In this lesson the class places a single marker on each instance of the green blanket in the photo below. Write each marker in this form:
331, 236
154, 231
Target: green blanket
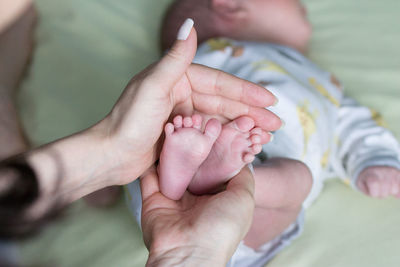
88, 50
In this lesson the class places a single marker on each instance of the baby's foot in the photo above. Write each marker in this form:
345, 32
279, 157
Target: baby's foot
236, 146
380, 181
184, 150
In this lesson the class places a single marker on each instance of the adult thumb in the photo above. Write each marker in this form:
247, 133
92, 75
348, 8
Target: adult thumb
175, 63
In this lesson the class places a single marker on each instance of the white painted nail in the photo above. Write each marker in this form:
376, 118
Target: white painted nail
185, 29
276, 102
271, 137
283, 124
251, 168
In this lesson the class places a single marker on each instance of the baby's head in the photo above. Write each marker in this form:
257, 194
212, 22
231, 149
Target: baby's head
277, 21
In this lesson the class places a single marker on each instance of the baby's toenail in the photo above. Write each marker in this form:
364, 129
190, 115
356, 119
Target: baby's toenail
256, 139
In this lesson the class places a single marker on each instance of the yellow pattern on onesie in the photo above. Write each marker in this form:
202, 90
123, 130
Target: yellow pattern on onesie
337, 141
268, 66
322, 90
377, 117
307, 121
221, 44
347, 182
325, 159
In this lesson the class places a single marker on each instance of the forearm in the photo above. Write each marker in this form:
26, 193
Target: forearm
17, 19
368, 144
35, 184
73, 167
12, 140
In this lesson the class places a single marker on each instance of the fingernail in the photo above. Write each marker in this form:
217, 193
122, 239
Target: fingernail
271, 137
185, 29
283, 124
251, 168
276, 101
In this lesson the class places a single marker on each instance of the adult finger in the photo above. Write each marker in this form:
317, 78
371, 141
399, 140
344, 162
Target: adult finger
215, 82
242, 188
170, 69
231, 109
242, 183
149, 183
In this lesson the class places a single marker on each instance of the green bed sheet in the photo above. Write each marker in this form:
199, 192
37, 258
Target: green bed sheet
88, 50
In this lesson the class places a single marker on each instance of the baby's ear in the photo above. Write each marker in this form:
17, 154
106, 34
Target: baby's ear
229, 9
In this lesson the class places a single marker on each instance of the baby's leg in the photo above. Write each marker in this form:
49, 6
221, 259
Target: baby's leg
184, 150
281, 186
236, 146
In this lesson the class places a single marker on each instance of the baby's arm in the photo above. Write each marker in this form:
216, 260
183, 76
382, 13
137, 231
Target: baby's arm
380, 181
366, 152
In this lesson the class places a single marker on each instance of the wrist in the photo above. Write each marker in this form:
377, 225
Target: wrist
129, 156
187, 256
72, 167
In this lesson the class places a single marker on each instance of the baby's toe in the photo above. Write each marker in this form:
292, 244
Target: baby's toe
178, 121
248, 158
213, 129
169, 129
266, 137
256, 130
255, 139
243, 124
187, 122
256, 148
197, 120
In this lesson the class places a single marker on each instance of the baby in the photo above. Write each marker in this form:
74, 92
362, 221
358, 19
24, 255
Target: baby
326, 134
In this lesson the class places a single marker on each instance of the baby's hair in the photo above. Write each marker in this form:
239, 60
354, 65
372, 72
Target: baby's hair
179, 11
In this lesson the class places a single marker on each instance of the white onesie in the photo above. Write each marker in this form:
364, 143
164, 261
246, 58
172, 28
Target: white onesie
330, 133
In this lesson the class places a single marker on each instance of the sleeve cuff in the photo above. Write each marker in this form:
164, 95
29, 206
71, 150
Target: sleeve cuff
381, 161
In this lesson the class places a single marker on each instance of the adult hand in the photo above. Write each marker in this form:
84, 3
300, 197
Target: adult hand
196, 230
122, 146
175, 85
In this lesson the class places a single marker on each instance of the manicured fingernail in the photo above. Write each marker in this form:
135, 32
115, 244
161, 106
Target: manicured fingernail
283, 124
276, 101
251, 168
271, 137
185, 29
